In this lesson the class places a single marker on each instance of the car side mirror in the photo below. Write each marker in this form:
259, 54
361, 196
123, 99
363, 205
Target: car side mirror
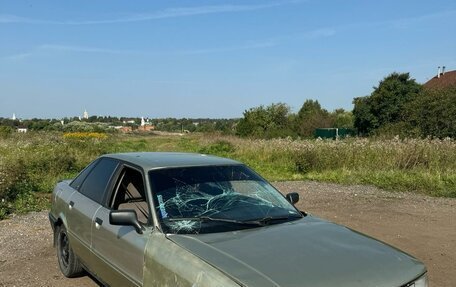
126, 217
292, 197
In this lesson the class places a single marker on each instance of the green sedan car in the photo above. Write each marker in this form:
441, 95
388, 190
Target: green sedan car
179, 219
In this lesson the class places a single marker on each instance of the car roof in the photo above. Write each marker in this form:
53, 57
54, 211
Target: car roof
154, 160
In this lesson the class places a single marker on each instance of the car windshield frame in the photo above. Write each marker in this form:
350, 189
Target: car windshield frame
216, 198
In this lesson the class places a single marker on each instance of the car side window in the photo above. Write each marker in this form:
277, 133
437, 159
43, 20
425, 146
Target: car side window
129, 193
96, 182
77, 182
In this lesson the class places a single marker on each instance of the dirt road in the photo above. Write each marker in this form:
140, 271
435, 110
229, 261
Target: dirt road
422, 226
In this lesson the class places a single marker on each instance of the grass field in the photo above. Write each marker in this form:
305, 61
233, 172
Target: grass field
31, 164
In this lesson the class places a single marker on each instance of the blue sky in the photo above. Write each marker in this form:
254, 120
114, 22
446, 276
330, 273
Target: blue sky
211, 58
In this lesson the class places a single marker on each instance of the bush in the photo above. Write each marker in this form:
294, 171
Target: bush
86, 127
386, 104
14, 184
220, 147
306, 161
85, 135
5, 131
266, 122
33, 163
434, 113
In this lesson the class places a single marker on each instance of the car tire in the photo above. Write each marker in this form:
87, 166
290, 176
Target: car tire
68, 261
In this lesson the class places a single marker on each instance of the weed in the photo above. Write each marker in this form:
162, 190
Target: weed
31, 164
220, 148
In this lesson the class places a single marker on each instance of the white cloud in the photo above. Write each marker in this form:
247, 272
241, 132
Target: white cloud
18, 57
163, 14
249, 46
404, 22
320, 33
178, 12
13, 19
85, 49
81, 49
408, 21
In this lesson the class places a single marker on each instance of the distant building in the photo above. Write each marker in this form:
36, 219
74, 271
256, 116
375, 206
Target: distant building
143, 122
146, 128
22, 130
85, 115
125, 129
13, 117
442, 80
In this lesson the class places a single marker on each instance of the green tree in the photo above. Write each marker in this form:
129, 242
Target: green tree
386, 105
265, 122
312, 116
364, 120
434, 113
342, 119
37, 124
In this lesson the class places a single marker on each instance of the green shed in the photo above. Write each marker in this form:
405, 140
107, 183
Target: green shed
333, 133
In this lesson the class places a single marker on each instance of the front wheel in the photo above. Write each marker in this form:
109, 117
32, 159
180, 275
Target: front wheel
68, 262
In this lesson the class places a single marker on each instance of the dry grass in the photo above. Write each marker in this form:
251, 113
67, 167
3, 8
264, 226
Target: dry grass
31, 163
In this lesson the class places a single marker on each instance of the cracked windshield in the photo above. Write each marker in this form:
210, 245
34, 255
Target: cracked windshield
215, 199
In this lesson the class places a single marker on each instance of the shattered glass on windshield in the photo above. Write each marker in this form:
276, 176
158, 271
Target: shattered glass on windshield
214, 198
184, 226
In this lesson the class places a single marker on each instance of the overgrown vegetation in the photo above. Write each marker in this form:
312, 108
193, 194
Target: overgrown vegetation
266, 122
31, 164
413, 148
387, 104
400, 106
433, 113
108, 124
277, 121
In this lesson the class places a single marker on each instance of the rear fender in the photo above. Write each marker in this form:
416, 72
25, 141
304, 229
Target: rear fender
55, 222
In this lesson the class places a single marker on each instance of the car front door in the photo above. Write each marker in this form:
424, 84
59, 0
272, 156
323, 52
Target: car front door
119, 250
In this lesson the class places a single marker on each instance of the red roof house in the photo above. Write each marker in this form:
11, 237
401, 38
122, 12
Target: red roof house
442, 81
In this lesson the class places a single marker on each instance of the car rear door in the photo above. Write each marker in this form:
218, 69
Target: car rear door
83, 205
119, 250
80, 213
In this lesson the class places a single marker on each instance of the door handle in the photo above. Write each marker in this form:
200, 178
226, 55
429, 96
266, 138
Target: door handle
98, 222
71, 205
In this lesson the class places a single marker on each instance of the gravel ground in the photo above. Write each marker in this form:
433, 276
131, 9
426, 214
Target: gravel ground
422, 226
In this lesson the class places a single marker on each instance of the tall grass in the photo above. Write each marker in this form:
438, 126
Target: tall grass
31, 164
425, 166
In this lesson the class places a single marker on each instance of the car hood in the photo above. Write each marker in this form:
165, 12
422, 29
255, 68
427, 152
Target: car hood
307, 252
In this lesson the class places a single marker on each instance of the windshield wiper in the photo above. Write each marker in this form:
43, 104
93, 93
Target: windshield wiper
269, 219
257, 222
208, 218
